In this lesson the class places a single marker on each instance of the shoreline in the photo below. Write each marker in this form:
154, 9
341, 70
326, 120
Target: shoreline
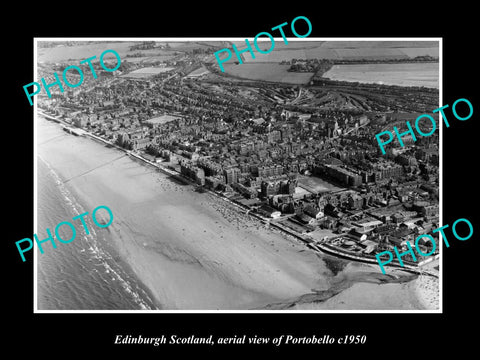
317, 246
190, 255
269, 269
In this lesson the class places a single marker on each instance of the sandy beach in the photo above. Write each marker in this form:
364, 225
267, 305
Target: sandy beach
359, 286
195, 251
427, 289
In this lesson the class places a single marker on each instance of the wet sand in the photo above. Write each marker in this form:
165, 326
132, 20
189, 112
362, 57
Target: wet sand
359, 286
192, 250
427, 291
195, 251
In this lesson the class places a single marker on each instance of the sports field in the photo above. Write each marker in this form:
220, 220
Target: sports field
147, 72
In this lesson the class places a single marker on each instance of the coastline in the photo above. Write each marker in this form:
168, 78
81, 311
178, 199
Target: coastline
361, 287
427, 290
195, 251
192, 250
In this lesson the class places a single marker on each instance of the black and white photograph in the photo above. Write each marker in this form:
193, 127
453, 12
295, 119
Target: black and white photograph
205, 180
237, 179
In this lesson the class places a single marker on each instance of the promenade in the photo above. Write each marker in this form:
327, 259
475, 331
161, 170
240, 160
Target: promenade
304, 239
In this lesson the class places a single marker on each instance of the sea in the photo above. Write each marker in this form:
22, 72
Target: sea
87, 273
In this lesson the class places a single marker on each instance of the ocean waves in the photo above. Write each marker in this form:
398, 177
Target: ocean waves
82, 274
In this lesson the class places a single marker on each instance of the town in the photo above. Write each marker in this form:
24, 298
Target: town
301, 158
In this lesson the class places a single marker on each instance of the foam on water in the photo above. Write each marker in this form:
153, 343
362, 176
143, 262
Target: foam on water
93, 247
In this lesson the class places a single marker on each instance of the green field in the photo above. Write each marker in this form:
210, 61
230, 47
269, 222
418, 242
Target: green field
317, 184
343, 50
82, 51
147, 72
267, 72
408, 74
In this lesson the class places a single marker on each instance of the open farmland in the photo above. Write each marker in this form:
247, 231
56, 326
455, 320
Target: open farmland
186, 46
386, 44
267, 72
62, 53
339, 50
289, 54
407, 74
420, 51
293, 43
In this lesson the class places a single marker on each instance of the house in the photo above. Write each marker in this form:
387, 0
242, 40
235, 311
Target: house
305, 219
357, 234
396, 241
269, 211
140, 143
369, 245
355, 201
332, 211
313, 211
258, 121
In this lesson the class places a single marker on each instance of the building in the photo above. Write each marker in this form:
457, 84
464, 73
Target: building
305, 219
342, 175
426, 209
358, 234
428, 154
216, 182
211, 168
279, 186
193, 172
406, 160
268, 211
313, 211
80, 121
355, 201
138, 144
386, 171
245, 191
269, 171
269, 188
231, 175
370, 224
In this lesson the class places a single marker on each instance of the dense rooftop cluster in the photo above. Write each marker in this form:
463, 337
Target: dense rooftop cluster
259, 144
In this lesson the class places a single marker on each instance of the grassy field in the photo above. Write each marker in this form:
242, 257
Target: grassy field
420, 51
294, 49
80, 52
409, 74
347, 50
162, 119
317, 184
83, 51
267, 72
147, 72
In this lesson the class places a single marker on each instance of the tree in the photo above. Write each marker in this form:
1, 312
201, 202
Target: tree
119, 141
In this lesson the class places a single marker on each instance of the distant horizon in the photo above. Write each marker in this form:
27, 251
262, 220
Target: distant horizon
312, 48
